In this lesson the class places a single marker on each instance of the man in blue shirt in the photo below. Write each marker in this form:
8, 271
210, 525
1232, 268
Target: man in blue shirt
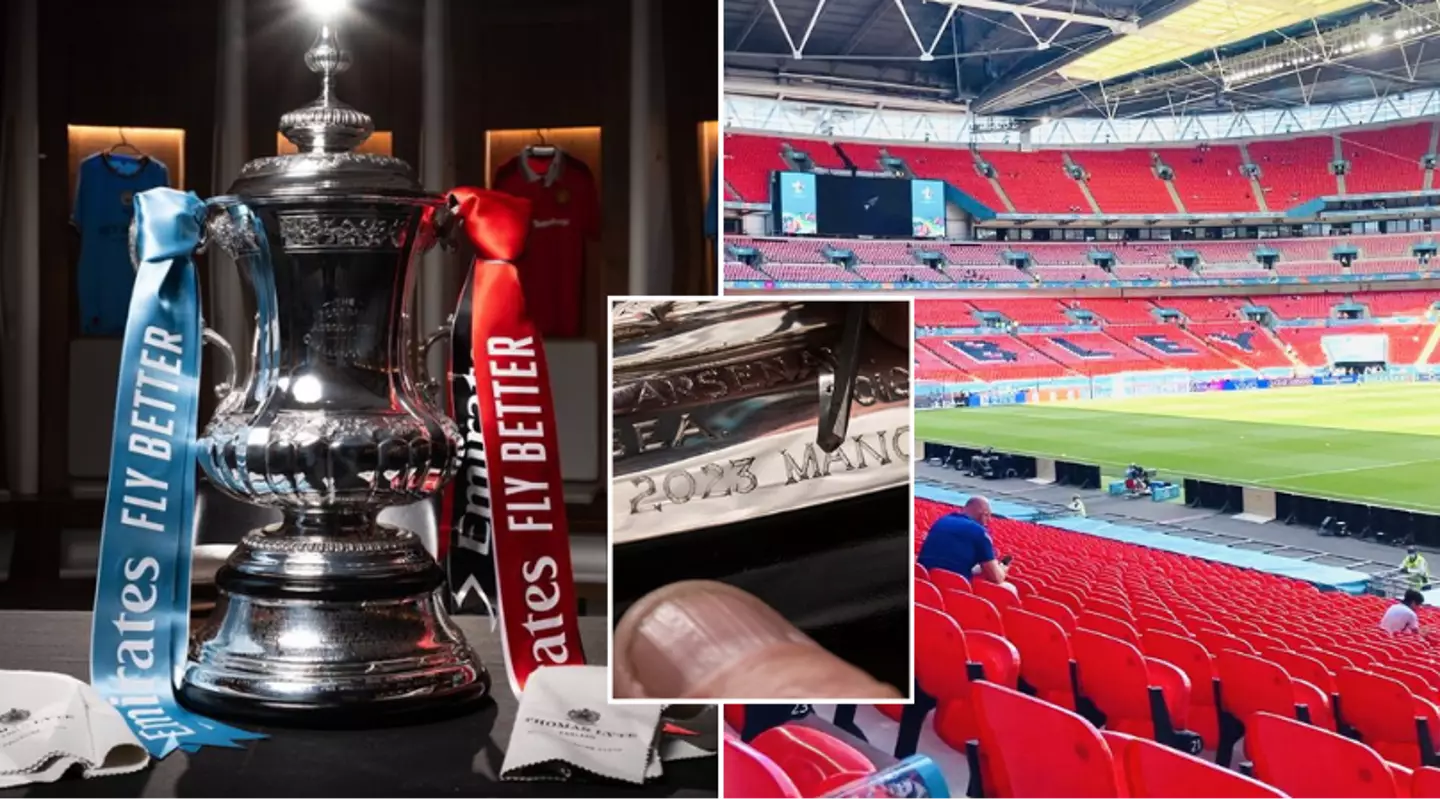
958, 542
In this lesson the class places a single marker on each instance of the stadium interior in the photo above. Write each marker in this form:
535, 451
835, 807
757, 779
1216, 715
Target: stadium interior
1149, 206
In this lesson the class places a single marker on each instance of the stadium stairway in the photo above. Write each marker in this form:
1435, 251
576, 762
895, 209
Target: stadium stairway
1255, 189
1174, 195
1081, 181
1286, 348
1338, 153
1000, 192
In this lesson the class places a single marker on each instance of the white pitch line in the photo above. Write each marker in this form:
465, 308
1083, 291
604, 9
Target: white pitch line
1347, 470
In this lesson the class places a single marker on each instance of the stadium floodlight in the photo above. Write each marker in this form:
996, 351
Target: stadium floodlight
1375, 40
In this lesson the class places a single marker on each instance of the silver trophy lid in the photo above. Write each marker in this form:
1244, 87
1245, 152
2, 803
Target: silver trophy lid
326, 132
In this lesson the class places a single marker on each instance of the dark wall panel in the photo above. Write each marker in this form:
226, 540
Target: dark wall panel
154, 65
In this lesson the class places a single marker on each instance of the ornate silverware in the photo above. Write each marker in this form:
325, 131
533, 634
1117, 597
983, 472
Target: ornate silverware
731, 409
329, 615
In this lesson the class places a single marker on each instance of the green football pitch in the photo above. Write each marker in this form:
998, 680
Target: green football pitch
1376, 444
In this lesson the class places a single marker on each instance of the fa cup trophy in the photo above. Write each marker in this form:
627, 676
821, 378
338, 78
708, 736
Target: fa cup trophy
329, 615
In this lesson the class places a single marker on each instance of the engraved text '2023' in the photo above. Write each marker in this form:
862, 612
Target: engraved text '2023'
737, 476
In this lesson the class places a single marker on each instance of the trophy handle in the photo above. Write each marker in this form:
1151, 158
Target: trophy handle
431, 387
209, 335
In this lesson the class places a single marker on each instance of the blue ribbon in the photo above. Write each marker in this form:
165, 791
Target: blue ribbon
139, 637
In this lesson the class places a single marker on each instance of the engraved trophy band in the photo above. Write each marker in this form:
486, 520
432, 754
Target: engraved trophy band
732, 409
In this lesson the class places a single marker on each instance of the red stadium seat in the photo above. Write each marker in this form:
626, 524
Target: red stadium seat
1106, 625
1303, 666
1139, 696
1425, 783
1029, 748
921, 573
1192, 658
1001, 597
1418, 684
1216, 642
735, 715
748, 774
1399, 726
1046, 663
1022, 585
815, 761
1260, 641
929, 595
1249, 685
1430, 674
1069, 600
1054, 610
1292, 641
1198, 625
1304, 761
1153, 770
1333, 662
1356, 657
973, 612
1145, 623
949, 580
945, 664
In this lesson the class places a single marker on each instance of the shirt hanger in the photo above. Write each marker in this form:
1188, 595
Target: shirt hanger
124, 144
544, 149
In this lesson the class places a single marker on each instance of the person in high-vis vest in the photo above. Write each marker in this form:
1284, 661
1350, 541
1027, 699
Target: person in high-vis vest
1415, 568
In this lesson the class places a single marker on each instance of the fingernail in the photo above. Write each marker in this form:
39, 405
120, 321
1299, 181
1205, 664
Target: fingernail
682, 637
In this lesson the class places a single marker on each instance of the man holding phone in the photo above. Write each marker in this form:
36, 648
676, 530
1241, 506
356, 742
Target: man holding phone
959, 542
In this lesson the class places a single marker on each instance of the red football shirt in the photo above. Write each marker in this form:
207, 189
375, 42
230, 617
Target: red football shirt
565, 214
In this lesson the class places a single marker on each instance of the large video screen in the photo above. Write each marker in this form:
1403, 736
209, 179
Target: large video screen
863, 206
1358, 348
795, 201
927, 209
842, 205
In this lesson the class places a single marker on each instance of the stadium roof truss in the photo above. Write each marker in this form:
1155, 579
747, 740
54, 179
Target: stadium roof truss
1091, 58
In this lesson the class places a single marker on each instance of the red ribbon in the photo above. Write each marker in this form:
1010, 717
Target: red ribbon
534, 580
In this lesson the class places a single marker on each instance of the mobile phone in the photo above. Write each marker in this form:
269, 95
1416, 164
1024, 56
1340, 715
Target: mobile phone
1005, 560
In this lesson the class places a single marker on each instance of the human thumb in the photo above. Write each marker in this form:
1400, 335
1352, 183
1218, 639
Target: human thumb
708, 640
